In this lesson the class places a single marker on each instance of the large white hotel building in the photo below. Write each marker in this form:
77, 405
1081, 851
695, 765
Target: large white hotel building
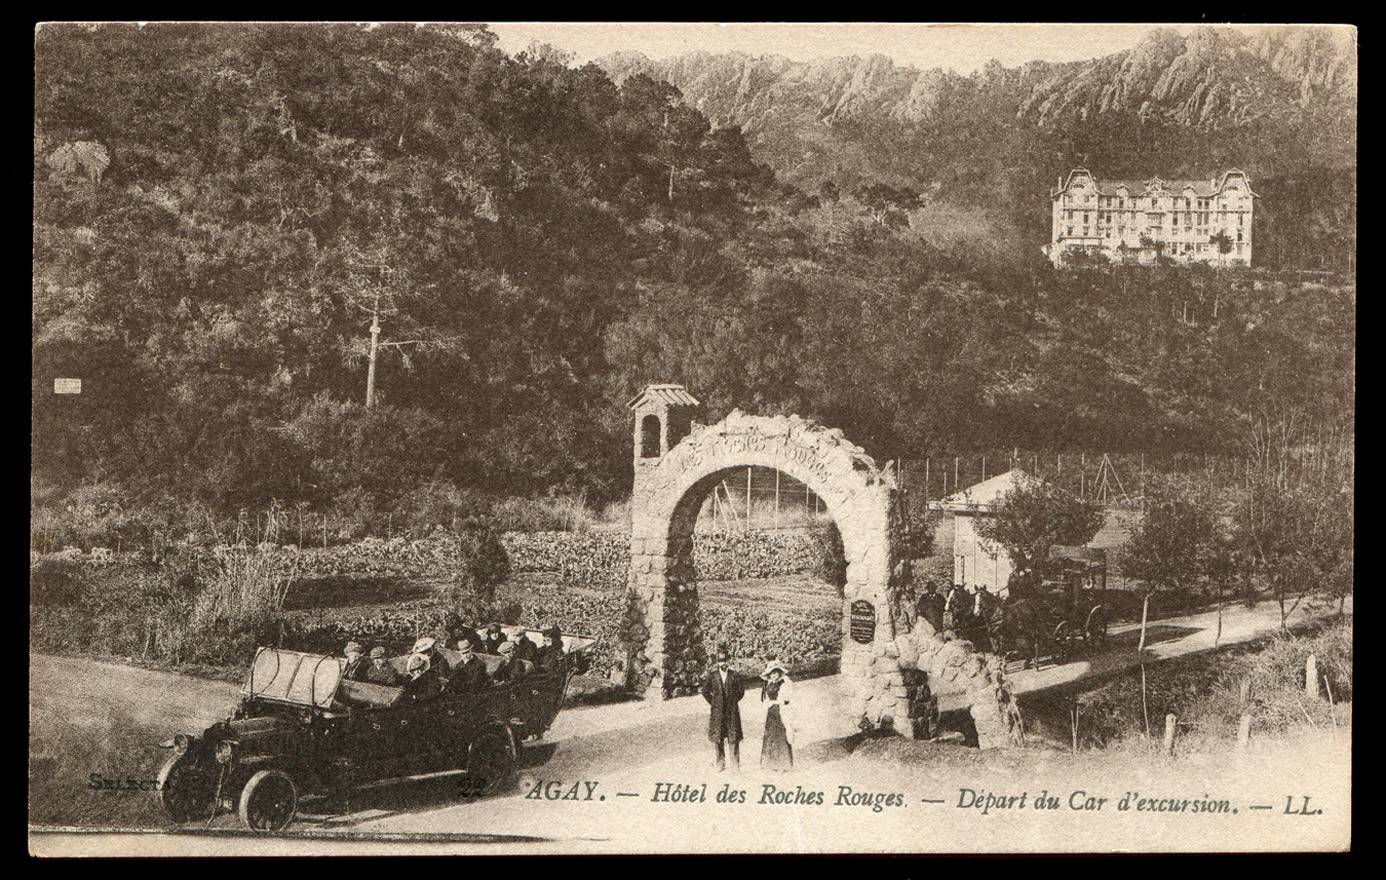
1138, 220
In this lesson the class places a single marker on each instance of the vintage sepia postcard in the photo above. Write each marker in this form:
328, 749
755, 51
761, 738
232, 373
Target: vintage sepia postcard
576, 438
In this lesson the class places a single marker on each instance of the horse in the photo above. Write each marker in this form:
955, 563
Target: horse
1022, 627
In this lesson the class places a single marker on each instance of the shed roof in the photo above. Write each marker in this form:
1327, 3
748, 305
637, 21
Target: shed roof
669, 395
984, 496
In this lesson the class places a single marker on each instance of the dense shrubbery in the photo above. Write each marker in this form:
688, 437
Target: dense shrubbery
540, 242
55, 580
205, 605
1209, 694
602, 559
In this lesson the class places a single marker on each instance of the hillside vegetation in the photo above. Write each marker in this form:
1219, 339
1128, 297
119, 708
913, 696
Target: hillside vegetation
220, 211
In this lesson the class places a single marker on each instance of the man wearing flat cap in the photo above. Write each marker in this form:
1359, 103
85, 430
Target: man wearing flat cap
380, 671
424, 677
354, 666
723, 690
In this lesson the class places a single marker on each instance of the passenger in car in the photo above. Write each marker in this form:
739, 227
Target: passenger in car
422, 681
511, 667
354, 667
440, 665
525, 649
380, 671
551, 651
491, 642
469, 675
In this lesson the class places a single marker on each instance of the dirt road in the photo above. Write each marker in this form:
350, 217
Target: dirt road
94, 710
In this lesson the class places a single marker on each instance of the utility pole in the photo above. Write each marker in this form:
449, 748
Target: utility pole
375, 345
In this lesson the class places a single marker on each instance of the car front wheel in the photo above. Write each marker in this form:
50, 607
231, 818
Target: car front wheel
187, 791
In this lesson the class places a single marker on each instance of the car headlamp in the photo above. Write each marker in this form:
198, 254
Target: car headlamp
226, 752
181, 742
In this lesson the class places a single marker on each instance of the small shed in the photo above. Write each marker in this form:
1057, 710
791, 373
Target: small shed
977, 561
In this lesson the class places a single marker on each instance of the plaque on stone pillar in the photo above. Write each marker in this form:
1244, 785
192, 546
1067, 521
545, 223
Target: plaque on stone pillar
863, 626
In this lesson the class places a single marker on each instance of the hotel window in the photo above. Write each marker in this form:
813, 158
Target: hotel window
1070, 230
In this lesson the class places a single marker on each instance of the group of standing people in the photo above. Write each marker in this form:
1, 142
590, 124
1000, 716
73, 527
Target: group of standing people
724, 687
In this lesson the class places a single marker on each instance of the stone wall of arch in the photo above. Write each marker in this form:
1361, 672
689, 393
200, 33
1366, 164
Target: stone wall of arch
885, 684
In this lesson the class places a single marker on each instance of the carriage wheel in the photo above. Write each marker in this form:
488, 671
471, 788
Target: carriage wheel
268, 801
1063, 642
186, 792
491, 762
1097, 628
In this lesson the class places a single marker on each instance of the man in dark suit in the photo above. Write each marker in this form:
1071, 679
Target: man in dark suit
551, 652
723, 690
354, 667
491, 641
469, 673
525, 649
930, 607
381, 672
511, 666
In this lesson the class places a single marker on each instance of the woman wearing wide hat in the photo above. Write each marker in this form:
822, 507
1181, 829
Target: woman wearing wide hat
776, 748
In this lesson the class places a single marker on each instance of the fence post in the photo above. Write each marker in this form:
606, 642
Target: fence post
1311, 677
1171, 722
748, 498
777, 501
1244, 732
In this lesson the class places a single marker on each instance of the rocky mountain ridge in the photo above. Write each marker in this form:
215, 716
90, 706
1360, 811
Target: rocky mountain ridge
1208, 78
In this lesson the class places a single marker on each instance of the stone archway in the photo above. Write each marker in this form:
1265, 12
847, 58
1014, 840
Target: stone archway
662, 629
893, 664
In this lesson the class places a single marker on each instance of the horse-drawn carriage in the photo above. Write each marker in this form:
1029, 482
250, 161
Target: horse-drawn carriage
1061, 615
301, 727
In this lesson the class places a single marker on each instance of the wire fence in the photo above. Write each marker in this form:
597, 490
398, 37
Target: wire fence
762, 498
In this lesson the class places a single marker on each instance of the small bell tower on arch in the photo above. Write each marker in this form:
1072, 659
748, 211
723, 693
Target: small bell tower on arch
663, 417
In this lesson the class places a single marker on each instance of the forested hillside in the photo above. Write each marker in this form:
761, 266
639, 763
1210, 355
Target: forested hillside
220, 210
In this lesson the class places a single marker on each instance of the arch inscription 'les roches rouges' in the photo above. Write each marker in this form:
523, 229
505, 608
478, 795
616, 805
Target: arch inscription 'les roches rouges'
891, 662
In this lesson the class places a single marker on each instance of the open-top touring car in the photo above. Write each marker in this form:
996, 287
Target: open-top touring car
301, 728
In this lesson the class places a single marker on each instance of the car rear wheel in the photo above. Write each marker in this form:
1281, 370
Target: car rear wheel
187, 791
268, 801
491, 762
1097, 628
1063, 642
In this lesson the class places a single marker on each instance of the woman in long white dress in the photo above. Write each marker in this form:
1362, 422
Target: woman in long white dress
776, 748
